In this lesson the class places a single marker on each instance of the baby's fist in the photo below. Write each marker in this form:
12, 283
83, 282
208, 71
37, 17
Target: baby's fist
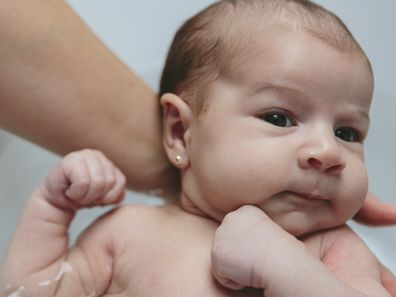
234, 249
249, 249
85, 178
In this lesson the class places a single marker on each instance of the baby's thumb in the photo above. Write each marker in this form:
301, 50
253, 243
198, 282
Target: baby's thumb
226, 281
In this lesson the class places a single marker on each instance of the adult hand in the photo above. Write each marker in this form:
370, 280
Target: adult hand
376, 213
388, 280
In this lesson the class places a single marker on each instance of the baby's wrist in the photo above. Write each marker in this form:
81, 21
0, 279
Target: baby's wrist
41, 205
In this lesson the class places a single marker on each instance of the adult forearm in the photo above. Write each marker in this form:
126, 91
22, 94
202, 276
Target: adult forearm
61, 88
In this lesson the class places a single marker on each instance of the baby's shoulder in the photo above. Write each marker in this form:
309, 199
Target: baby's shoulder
132, 213
147, 215
146, 222
122, 220
129, 218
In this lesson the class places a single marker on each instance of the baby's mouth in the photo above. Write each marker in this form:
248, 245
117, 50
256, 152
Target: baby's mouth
309, 197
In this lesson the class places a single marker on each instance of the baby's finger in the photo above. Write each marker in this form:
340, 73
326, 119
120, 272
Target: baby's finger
97, 178
110, 171
117, 192
228, 283
77, 173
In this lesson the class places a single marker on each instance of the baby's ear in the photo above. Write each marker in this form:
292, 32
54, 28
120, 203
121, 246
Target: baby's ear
177, 119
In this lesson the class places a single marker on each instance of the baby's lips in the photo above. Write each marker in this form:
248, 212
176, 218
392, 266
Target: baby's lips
313, 196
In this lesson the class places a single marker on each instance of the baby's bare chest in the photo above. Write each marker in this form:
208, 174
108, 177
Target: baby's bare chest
173, 261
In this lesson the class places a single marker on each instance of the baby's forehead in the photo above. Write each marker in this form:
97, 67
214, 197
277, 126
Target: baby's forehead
252, 26
297, 59
277, 44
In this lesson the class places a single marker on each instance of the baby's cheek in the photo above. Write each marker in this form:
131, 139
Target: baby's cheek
356, 188
361, 183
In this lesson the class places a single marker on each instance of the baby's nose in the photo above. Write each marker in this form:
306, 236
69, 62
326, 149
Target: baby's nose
324, 153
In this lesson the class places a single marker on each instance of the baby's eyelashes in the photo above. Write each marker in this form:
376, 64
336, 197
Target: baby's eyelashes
279, 117
348, 134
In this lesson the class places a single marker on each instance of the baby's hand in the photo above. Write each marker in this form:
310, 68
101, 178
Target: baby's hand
83, 179
249, 249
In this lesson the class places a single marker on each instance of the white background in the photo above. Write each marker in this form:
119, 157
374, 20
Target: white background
140, 32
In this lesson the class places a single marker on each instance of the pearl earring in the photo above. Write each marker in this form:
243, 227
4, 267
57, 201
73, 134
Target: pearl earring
178, 159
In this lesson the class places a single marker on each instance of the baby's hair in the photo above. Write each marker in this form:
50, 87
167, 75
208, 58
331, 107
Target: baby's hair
206, 45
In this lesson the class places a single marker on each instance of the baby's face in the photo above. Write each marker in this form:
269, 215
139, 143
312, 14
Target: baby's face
285, 132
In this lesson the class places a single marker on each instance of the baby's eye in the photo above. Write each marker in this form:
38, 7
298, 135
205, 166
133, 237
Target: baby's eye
348, 134
278, 118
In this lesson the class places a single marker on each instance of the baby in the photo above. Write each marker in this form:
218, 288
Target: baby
265, 104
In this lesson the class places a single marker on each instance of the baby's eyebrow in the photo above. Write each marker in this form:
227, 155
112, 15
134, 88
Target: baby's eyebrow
279, 87
285, 87
355, 114
365, 116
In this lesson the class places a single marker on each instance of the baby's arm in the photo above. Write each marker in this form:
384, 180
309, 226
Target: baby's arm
38, 256
251, 250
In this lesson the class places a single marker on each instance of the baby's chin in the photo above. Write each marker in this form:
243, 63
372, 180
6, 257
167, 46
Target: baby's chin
299, 225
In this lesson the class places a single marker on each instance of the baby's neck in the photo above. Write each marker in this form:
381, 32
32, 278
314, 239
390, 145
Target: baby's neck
189, 206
